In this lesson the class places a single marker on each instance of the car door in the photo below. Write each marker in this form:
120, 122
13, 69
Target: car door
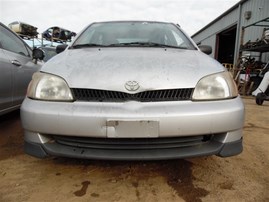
20, 63
5, 82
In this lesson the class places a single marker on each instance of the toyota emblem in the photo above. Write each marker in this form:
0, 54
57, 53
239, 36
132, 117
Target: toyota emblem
132, 85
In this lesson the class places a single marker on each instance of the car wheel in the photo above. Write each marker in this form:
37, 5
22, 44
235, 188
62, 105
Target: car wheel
260, 98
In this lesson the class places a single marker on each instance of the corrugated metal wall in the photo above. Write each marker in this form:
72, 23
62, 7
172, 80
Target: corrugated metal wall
224, 23
209, 35
259, 10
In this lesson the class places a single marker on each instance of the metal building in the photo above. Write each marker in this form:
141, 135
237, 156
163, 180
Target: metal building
245, 23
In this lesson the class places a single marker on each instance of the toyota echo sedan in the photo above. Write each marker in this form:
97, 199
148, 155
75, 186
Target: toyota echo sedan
132, 90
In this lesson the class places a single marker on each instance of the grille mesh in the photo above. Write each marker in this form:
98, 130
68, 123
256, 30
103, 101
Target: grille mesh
132, 143
146, 96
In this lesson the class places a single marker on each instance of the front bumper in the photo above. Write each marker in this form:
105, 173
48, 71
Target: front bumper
211, 148
221, 120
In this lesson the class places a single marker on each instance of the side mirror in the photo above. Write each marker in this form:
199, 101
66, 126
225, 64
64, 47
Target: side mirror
61, 48
205, 49
38, 54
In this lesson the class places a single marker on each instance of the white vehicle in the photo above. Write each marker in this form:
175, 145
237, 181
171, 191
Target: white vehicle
132, 90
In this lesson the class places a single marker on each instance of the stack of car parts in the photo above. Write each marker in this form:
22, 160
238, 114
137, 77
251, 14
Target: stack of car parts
23, 29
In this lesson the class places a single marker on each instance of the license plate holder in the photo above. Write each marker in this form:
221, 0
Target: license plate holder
132, 129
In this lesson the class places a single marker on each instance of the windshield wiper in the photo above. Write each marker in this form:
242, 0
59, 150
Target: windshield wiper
87, 45
147, 44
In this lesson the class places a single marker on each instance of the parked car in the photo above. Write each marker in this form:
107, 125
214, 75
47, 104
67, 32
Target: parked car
17, 64
58, 34
23, 29
132, 90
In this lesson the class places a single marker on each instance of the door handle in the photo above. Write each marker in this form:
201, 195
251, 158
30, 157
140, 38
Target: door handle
16, 62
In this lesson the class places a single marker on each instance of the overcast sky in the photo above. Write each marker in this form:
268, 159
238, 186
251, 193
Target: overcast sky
74, 15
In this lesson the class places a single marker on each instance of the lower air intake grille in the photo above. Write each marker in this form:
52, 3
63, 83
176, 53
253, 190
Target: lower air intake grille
132, 144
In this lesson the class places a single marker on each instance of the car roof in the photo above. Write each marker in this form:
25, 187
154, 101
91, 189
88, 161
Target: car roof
138, 21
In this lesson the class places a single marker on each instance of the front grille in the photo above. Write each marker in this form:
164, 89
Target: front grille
131, 143
146, 96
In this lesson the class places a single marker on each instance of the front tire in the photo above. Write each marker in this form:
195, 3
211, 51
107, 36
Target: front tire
260, 98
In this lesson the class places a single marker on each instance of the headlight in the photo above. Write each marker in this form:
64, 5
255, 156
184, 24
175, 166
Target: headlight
215, 87
48, 87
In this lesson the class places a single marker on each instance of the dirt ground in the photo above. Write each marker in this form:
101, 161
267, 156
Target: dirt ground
241, 178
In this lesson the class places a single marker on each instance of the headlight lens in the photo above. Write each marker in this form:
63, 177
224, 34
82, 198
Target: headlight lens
49, 87
215, 87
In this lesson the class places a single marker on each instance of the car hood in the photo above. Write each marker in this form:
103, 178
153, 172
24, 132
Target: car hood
111, 68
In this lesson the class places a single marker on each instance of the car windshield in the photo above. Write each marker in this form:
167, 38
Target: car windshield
149, 34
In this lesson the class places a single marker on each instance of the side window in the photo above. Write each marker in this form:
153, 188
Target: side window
12, 43
29, 51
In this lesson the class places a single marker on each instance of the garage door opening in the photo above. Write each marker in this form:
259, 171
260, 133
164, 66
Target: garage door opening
225, 45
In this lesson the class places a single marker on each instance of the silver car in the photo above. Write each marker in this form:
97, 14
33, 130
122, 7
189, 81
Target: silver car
132, 90
17, 64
